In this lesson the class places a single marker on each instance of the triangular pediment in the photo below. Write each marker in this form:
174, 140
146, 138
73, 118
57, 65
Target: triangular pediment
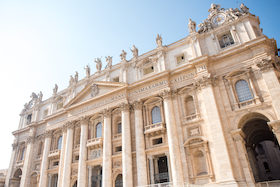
95, 89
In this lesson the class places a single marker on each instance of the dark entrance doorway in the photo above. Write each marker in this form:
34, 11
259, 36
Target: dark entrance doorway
263, 150
162, 174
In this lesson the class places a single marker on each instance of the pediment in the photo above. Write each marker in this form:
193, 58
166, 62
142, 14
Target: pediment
95, 89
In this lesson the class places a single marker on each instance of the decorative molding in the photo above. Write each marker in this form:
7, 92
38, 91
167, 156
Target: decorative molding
137, 105
265, 64
125, 107
275, 126
107, 113
30, 139
205, 81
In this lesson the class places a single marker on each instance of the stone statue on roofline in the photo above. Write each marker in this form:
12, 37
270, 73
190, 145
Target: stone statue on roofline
134, 51
244, 9
159, 40
98, 64
76, 77
87, 68
71, 81
109, 62
123, 56
55, 89
40, 96
192, 26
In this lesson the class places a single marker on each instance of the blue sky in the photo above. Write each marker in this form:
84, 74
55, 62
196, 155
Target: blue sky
44, 42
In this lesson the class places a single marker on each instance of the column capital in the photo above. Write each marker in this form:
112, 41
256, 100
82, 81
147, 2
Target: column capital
166, 94
48, 134
68, 125
84, 120
137, 105
274, 125
30, 139
107, 113
204, 81
237, 135
264, 64
15, 145
125, 107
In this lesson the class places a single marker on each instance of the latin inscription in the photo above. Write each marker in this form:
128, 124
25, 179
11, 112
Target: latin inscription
149, 87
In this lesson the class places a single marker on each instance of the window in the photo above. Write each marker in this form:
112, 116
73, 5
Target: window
156, 116
116, 79
180, 59
59, 142
157, 141
118, 181
98, 132
46, 112
226, 40
148, 70
119, 128
118, 149
189, 106
200, 163
22, 153
28, 119
55, 163
59, 105
243, 91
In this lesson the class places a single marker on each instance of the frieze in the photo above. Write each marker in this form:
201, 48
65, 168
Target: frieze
98, 104
57, 120
151, 87
185, 78
94, 154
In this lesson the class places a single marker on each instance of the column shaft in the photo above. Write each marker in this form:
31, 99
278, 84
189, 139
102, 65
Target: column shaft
107, 152
68, 158
26, 165
12, 161
61, 159
45, 162
126, 149
173, 142
82, 168
142, 176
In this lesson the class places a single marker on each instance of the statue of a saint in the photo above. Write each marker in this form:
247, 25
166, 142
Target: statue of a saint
40, 95
244, 9
192, 26
71, 81
134, 51
55, 89
159, 40
123, 56
98, 64
214, 8
87, 68
76, 77
109, 62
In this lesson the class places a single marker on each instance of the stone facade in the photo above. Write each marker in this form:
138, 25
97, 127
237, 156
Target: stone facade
204, 110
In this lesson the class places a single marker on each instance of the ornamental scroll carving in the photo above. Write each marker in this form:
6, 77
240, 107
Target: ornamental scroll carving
265, 64
205, 81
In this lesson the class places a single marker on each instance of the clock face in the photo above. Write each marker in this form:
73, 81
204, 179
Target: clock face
218, 19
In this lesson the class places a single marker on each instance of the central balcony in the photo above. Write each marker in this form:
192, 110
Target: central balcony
54, 153
95, 143
156, 128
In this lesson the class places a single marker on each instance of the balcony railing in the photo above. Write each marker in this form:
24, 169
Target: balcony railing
192, 117
275, 183
95, 142
153, 128
54, 153
117, 136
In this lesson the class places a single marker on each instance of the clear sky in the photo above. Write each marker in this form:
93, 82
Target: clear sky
44, 42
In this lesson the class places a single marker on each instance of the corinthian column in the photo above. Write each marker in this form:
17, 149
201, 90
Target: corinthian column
45, 160
126, 148
68, 156
27, 159
107, 151
82, 168
214, 131
271, 81
173, 142
62, 156
142, 175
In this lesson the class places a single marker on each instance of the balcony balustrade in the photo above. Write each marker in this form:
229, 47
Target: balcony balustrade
156, 128
95, 142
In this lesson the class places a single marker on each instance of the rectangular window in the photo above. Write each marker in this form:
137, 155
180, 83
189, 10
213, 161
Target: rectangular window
119, 128
148, 70
116, 79
226, 40
55, 163
28, 119
59, 105
157, 141
46, 112
118, 149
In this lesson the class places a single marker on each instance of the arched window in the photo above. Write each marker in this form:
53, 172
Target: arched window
59, 142
243, 91
200, 163
189, 105
118, 181
156, 116
98, 132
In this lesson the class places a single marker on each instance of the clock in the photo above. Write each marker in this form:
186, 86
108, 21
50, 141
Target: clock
218, 19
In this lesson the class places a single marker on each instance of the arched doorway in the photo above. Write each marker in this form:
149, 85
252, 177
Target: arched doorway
118, 181
75, 184
15, 181
33, 180
263, 150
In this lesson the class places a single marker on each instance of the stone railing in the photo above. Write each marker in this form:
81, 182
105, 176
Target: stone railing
269, 183
117, 136
192, 117
95, 142
166, 184
153, 128
54, 153
246, 103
